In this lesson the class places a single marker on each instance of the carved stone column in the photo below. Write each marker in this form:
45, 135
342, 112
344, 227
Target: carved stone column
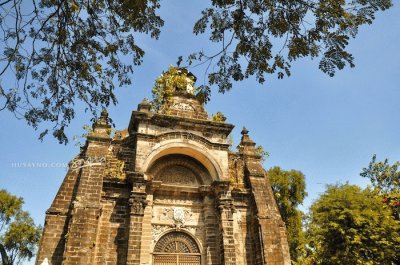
137, 204
145, 256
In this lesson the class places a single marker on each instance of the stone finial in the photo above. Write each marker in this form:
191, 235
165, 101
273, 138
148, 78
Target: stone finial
103, 119
246, 145
144, 106
101, 127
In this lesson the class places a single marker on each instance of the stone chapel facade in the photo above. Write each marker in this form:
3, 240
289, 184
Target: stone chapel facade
165, 191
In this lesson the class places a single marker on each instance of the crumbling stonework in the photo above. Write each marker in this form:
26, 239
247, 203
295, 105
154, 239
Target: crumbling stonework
165, 191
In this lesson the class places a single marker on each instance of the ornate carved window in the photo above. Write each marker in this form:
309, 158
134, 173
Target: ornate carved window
176, 248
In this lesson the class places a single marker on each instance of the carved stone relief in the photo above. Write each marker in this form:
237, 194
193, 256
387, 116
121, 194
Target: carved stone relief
178, 175
173, 201
138, 203
177, 216
183, 106
176, 219
157, 230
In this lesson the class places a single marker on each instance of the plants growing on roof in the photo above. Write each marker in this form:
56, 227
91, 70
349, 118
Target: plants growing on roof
176, 80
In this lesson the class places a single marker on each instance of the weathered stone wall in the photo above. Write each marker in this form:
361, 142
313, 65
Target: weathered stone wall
57, 220
169, 175
112, 239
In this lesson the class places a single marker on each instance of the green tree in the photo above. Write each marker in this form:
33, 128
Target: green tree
289, 190
349, 225
19, 235
385, 178
66, 51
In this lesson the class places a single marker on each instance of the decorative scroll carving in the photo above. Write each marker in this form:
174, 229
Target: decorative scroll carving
158, 230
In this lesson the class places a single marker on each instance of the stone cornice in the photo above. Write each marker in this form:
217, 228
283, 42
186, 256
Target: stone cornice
176, 122
185, 136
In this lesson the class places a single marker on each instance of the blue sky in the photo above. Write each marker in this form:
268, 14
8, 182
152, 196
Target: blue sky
328, 128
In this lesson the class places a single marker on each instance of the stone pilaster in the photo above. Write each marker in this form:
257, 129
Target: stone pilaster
145, 257
137, 204
212, 254
225, 208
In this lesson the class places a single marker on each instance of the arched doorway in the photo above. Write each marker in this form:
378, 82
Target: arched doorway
176, 248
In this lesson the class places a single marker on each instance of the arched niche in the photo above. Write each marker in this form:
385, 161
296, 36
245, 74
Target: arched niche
187, 149
179, 169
